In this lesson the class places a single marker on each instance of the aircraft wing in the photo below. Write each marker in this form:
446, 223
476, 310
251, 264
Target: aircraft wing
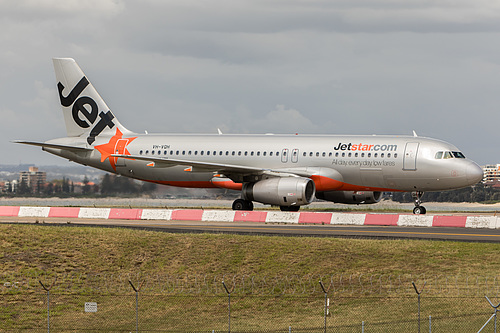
226, 169
52, 145
159, 162
328, 178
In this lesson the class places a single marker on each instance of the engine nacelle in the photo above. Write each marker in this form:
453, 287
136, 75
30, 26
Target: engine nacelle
290, 191
350, 197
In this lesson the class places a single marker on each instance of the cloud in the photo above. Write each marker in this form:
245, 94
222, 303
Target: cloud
256, 66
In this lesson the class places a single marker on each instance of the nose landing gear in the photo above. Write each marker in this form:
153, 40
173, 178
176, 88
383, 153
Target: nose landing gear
418, 209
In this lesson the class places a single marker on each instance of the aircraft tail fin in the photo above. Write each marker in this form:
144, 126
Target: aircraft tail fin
85, 112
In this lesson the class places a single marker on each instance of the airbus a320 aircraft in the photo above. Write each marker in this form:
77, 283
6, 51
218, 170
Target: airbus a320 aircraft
282, 170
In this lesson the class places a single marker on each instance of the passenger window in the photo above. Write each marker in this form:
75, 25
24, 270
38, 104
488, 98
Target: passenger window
152, 152
264, 153
439, 155
246, 153
258, 153
202, 152
349, 155
343, 154
330, 154
270, 153
140, 152
304, 154
239, 153
251, 153
382, 155
355, 154
369, 154
324, 154
317, 154
395, 155
336, 154
233, 153
176, 153
388, 154
375, 155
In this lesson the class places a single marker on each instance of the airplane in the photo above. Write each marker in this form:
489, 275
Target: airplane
288, 171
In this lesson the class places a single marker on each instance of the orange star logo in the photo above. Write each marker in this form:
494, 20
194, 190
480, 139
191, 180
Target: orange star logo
116, 145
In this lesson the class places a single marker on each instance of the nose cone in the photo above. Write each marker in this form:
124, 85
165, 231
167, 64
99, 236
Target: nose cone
474, 173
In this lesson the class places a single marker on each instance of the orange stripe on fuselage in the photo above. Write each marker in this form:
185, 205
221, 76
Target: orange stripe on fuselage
323, 184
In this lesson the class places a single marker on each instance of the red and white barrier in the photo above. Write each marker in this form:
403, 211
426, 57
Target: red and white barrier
475, 221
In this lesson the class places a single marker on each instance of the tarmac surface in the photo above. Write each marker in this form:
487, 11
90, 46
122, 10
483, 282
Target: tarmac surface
353, 231
277, 229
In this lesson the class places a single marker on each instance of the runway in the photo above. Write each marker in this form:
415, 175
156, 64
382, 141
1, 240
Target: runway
277, 229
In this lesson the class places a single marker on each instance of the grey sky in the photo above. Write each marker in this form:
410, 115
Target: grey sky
259, 66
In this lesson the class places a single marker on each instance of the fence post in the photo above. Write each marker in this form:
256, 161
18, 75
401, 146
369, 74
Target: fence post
136, 304
48, 301
494, 315
326, 301
418, 295
228, 305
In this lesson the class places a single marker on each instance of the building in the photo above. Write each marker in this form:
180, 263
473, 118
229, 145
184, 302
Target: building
491, 174
35, 180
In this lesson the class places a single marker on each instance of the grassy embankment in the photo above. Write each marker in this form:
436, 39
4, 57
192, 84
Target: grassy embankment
55, 251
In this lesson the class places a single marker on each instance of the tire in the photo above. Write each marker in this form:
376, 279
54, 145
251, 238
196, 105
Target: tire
240, 204
289, 208
419, 210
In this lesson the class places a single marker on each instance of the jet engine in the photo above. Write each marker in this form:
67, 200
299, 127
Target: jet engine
350, 197
280, 191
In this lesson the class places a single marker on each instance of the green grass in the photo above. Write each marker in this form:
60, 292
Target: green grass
369, 270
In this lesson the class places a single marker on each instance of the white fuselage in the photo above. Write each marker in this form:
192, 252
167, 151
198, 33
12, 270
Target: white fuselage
377, 163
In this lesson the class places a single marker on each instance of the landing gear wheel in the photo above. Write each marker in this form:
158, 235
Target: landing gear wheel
418, 210
240, 204
289, 208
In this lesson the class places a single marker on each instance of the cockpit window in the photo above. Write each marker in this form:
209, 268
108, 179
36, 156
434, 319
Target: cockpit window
448, 154
458, 154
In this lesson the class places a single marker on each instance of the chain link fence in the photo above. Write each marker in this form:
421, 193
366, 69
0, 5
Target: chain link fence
207, 303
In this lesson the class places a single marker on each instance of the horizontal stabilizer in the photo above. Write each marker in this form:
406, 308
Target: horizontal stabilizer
52, 145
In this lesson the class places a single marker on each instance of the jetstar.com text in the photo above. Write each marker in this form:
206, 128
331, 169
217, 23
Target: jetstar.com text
365, 147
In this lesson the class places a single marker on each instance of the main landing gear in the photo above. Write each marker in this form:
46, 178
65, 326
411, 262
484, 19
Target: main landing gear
241, 204
418, 209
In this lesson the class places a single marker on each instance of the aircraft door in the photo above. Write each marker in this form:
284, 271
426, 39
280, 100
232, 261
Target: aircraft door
410, 156
295, 156
284, 155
